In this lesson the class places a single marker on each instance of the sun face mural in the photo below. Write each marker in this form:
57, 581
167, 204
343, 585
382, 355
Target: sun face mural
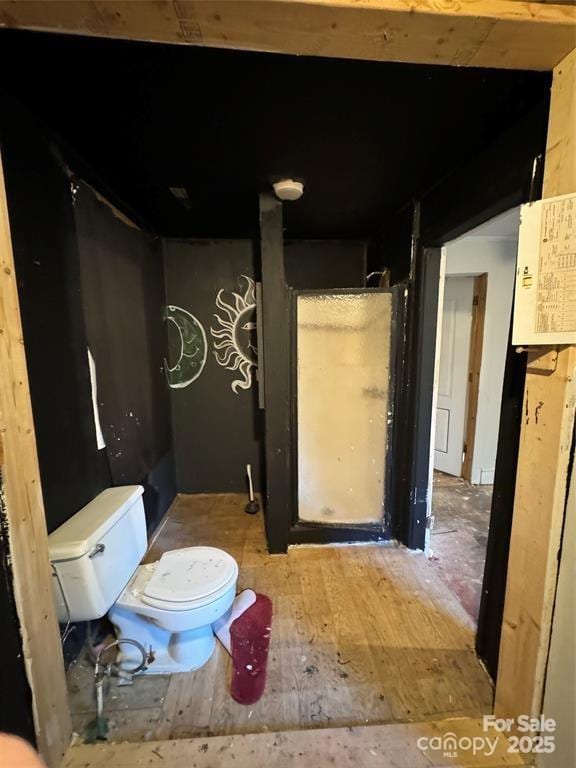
236, 348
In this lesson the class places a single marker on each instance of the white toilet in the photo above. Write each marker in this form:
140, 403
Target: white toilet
168, 606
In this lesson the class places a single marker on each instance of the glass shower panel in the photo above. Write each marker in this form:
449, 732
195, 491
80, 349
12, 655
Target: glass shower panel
343, 369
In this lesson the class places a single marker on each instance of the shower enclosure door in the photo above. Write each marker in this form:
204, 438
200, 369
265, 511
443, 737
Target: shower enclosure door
344, 352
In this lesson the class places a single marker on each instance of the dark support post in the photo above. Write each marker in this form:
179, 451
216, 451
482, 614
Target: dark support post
275, 317
414, 433
498, 546
427, 284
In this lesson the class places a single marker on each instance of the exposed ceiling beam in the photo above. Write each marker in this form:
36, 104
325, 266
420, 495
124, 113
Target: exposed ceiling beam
483, 33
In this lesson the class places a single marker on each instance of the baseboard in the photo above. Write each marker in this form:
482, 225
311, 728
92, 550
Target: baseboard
487, 476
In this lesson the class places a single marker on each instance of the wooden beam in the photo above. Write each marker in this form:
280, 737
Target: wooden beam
560, 165
481, 33
544, 460
25, 520
371, 746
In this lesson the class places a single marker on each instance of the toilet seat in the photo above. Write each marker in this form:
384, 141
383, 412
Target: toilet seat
189, 578
200, 583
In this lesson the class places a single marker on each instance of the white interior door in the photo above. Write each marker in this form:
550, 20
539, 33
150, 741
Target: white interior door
453, 374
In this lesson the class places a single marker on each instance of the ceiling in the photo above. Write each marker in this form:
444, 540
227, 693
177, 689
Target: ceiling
365, 137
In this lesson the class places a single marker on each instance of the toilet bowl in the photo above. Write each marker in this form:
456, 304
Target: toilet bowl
169, 607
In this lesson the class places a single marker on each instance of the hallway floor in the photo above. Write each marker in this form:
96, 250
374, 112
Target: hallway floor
360, 634
459, 537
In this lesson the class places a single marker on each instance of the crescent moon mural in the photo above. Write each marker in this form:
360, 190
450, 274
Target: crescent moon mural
191, 351
237, 346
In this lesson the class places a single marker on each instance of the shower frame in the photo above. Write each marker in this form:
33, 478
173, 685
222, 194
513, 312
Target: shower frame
306, 532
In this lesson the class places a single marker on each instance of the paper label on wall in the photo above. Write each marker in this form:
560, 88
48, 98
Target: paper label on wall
100, 442
545, 295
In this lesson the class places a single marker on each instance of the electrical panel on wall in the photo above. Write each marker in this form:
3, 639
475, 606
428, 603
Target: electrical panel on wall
545, 293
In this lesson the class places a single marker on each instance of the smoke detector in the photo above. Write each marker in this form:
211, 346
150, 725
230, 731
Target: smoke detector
288, 189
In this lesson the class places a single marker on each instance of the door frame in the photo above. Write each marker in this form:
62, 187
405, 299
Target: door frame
475, 346
520, 688
437, 368
490, 616
414, 442
474, 366
529, 571
324, 533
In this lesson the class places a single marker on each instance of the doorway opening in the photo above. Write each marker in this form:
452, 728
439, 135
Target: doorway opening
474, 314
361, 634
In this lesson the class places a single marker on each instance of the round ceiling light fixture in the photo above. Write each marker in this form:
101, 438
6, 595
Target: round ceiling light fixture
288, 189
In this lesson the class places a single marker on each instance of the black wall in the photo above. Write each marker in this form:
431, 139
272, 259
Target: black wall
216, 431
123, 300
311, 264
86, 279
44, 241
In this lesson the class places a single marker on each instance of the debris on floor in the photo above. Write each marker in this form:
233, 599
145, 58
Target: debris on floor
459, 537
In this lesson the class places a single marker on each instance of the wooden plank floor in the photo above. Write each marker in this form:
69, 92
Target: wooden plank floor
361, 634
460, 536
376, 746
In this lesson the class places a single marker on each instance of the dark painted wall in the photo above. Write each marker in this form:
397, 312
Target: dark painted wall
50, 235
218, 431
44, 240
86, 278
311, 264
123, 300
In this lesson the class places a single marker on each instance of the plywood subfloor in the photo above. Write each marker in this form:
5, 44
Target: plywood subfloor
460, 535
361, 634
400, 745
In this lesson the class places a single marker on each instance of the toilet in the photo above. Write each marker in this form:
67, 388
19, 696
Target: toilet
168, 606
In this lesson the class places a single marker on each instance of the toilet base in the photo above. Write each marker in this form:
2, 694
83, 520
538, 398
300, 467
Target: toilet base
173, 651
165, 664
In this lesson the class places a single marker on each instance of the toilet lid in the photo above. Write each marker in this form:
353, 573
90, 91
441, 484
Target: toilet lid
192, 573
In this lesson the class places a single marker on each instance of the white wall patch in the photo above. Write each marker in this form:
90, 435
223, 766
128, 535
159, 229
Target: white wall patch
100, 442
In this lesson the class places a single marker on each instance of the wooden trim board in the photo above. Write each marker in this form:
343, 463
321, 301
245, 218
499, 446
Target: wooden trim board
480, 33
474, 365
495, 33
560, 162
544, 459
373, 746
26, 521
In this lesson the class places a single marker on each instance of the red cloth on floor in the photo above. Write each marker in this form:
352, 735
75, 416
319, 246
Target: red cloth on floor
250, 635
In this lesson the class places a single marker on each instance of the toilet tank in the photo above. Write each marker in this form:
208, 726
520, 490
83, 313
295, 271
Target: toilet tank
95, 553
